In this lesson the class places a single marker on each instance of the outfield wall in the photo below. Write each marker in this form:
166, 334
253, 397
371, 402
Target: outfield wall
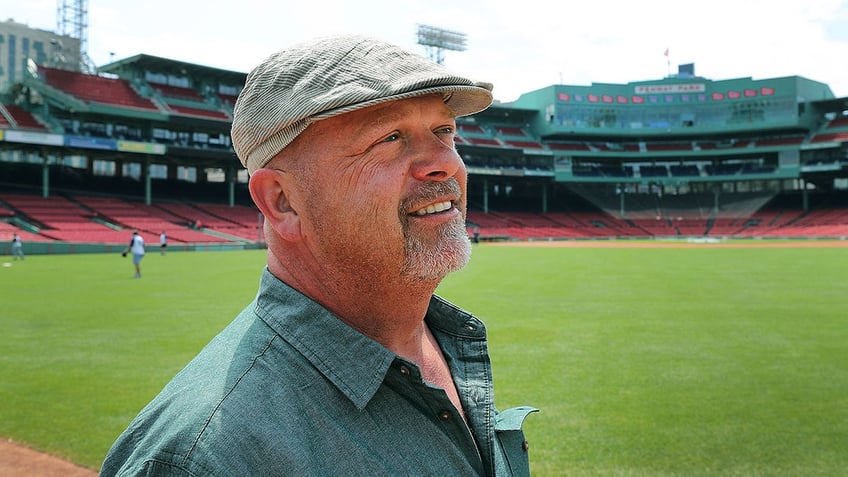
67, 248
64, 248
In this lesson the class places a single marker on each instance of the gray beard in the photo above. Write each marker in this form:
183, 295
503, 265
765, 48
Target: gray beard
453, 249
434, 262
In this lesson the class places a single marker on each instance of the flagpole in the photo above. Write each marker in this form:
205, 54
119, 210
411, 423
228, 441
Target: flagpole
667, 64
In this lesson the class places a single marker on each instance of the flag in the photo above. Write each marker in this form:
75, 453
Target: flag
666, 52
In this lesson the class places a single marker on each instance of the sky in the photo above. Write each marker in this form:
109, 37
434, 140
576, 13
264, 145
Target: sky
519, 46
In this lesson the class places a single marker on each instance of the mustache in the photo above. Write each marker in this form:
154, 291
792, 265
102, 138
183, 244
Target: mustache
433, 190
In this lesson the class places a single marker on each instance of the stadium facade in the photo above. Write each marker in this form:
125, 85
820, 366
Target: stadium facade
682, 135
681, 155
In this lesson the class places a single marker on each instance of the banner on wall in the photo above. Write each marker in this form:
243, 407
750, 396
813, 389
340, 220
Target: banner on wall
103, 144
29, 137
141, 147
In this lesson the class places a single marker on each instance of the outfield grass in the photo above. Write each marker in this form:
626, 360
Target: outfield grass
713, 361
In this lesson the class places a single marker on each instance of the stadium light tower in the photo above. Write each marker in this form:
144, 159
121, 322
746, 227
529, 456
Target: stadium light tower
72, 20
437, 40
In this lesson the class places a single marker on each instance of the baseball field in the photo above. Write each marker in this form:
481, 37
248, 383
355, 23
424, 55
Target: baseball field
645, 358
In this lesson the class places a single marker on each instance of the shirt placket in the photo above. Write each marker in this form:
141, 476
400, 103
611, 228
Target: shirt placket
436, 404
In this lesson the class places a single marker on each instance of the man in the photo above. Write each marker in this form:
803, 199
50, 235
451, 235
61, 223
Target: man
163, 242
17, 247
345, 363
136, 247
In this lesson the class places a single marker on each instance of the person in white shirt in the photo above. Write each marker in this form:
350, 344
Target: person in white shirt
17, 247
136, 247
163, 242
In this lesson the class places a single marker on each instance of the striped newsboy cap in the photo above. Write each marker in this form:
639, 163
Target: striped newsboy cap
329, 76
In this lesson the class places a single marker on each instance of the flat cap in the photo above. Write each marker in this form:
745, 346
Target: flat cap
329, 76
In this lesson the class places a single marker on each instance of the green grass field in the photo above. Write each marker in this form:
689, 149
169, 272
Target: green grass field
666, 361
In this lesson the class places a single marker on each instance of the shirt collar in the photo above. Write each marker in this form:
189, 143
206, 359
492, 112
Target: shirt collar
353, 362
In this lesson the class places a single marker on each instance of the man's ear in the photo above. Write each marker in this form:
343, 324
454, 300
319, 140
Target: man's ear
271, 191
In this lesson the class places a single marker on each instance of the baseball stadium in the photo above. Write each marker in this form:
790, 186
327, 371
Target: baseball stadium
661, 263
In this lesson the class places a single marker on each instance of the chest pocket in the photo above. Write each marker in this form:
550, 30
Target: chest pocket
512, 442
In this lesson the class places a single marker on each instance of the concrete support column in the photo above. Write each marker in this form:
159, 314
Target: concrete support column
148, 185
805, 199
200, 175
230, 176
621, 210
715, 200
486, 196
45, 176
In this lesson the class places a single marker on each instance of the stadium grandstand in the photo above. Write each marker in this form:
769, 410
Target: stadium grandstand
143, 144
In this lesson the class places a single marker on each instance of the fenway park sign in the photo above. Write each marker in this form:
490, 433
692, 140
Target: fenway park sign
671, 88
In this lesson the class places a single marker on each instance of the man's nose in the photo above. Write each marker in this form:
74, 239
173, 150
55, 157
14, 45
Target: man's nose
437, 161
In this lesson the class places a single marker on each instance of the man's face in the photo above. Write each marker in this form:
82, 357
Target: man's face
385, 191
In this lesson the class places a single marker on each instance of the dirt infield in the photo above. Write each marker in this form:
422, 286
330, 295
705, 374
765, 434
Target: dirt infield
19, 461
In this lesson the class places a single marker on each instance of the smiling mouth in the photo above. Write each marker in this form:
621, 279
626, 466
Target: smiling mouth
434, 208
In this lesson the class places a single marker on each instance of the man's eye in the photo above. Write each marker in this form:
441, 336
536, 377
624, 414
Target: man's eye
392, 137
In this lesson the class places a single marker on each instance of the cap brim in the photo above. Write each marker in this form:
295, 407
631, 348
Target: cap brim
462, 99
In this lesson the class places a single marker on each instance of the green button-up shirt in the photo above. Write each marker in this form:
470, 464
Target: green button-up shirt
289, 389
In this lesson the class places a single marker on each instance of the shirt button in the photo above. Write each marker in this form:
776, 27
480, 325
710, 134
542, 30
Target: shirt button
404, 370
525, 446
445, 415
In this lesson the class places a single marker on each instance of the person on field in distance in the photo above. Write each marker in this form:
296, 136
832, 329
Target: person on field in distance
346, 363
136, 248
17, 247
